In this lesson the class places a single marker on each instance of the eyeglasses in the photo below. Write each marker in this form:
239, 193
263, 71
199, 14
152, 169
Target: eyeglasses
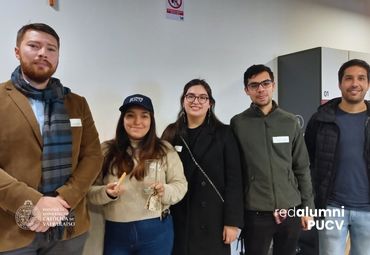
201, 98
255, 85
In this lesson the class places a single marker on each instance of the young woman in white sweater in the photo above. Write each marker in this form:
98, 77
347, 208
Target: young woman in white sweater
137, 219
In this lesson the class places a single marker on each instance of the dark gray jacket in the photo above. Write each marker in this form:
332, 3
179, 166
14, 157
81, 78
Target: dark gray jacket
322, 134
275, 160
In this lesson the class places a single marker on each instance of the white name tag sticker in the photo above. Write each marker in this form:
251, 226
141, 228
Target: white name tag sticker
280, 139
178, 148
75, 122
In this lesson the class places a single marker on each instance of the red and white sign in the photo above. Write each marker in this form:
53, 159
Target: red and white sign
175, 9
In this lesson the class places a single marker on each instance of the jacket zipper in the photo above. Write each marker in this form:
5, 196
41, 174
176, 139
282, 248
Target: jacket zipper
268, 144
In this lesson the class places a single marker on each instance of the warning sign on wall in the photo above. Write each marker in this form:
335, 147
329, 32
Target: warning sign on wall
175, 9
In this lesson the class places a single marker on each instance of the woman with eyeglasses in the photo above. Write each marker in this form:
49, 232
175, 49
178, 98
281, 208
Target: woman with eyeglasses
208, 219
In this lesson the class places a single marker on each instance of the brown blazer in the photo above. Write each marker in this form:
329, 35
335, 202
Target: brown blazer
20, 163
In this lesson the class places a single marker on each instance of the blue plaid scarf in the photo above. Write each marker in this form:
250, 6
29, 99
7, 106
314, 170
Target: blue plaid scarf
57, 137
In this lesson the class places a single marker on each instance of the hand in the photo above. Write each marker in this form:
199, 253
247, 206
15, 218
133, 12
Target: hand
229, 234
304, 222
113, 189
159, 188
63, 202
35, 225
48, 212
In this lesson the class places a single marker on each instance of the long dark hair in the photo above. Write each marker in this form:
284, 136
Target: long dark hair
120, 154
179, 127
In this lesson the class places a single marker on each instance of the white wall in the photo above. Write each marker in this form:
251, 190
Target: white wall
113, 48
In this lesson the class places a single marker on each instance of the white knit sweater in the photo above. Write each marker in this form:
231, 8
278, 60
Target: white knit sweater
131, 204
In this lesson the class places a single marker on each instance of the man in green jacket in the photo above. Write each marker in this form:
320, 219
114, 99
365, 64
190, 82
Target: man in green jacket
275, 166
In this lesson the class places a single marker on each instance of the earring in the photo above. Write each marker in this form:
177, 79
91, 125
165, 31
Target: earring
183, 114
209, 115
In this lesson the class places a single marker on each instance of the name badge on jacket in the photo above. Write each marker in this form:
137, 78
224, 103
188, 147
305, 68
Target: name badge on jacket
178, 148
75, 122
280, 139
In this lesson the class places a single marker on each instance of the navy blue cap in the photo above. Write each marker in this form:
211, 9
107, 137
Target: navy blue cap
138, 100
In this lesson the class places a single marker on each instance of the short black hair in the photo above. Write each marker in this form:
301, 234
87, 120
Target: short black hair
353, 62
256, 69
37, 27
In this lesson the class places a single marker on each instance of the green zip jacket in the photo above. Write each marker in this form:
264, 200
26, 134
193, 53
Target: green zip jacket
275, 160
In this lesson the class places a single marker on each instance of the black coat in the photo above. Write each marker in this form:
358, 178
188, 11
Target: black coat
200, 217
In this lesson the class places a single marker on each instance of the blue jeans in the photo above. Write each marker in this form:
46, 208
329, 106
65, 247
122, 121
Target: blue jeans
144, 237
356, 223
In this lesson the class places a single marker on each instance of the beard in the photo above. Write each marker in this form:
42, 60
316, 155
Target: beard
350, 99
353, 101
263, 103
36, 74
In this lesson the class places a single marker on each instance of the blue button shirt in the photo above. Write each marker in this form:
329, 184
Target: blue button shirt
38, 109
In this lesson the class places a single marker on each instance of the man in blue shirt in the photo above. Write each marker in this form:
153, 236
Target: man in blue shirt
337, 138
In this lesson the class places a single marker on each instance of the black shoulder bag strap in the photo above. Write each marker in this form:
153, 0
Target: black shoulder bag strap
201, 169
